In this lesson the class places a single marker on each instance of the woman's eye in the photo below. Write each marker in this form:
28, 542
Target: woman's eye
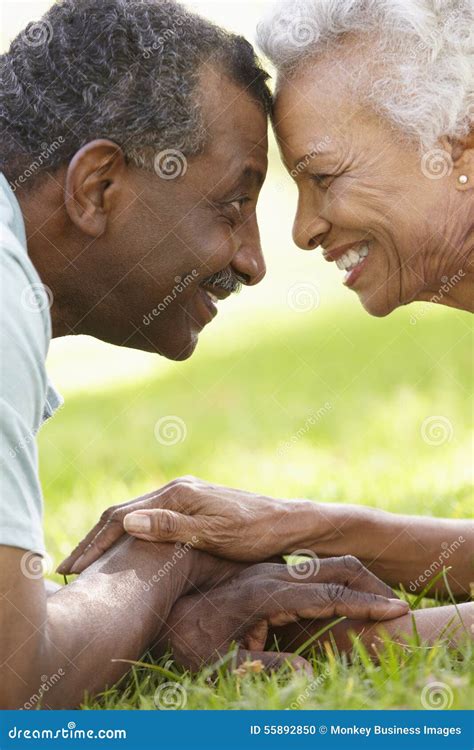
322, 180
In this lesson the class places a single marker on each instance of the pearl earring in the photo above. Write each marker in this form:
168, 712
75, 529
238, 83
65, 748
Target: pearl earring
463, 178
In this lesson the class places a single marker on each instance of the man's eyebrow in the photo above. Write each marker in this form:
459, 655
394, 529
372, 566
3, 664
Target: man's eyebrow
251, 176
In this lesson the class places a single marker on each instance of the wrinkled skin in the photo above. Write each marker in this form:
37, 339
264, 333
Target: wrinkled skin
202, 627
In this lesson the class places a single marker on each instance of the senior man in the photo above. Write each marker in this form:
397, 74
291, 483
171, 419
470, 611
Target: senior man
133, 151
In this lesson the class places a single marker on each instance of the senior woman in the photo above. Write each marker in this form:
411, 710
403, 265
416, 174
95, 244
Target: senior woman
373, 114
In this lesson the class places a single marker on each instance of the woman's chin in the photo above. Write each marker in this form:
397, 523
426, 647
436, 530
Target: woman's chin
377, 304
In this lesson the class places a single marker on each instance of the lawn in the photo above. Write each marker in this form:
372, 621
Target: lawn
328, 404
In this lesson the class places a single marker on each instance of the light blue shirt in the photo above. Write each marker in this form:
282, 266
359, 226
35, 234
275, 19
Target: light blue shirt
26, 396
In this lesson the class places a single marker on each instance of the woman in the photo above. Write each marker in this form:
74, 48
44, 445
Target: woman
373, 114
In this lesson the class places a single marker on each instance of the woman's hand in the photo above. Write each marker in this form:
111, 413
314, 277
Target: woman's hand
230, 523
201, 628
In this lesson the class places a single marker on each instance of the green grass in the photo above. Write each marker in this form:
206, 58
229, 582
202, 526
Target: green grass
247, 398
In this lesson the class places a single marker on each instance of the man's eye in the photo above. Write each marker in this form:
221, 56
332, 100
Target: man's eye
238, 204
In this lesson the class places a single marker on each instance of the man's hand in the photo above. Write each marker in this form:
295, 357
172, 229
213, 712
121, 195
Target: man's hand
230, 523
201, 628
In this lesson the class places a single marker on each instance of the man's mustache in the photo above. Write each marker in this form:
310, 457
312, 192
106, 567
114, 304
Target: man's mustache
226, 279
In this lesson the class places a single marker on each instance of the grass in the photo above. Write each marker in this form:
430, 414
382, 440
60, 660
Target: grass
329, 404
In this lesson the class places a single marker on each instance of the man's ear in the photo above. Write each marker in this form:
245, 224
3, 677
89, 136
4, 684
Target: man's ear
94, 179
463, 162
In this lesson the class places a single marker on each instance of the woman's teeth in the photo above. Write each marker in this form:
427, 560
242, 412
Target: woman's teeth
352, 258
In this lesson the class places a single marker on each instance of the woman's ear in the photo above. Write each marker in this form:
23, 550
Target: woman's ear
463, 162
94, 180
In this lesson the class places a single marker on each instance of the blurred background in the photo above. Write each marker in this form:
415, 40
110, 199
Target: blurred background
293, 391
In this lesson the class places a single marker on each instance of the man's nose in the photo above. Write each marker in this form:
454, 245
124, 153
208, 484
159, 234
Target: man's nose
248, 262
309, 226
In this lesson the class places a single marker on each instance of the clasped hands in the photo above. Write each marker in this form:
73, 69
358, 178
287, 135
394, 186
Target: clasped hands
243, 598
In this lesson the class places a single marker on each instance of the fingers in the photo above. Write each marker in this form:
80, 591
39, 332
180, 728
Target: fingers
100, 543
164, 526
284, 604
110, 518
347, 571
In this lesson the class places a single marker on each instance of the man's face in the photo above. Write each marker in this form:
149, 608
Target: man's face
177, 240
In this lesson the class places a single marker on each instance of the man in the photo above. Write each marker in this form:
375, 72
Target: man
133, 151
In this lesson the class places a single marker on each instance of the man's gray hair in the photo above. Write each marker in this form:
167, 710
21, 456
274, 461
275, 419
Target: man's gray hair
423, 80
126, 70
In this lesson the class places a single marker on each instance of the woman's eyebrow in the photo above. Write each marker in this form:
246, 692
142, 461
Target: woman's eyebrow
302, 161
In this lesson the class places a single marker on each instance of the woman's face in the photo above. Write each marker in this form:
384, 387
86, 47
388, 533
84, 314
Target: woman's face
364, 195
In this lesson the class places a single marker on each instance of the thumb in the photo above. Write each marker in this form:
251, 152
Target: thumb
162, 526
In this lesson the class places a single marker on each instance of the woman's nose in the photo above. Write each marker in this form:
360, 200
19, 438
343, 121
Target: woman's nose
309, 227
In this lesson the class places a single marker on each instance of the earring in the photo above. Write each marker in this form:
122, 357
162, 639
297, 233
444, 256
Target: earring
463, 178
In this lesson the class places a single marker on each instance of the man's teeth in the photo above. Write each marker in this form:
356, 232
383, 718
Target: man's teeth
352, 258
213, 297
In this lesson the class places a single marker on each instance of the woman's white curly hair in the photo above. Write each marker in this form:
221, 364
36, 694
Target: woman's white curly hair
424, 49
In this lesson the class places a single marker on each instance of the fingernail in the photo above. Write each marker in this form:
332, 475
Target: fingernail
75, 569
399, 603
136, 523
